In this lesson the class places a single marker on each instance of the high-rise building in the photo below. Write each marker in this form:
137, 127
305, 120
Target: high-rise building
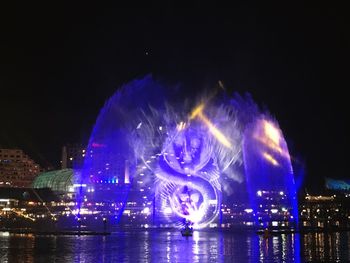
16, 168
72, 156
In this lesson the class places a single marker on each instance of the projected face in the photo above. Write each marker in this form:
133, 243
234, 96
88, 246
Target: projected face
187, 203
187, 149
188, 152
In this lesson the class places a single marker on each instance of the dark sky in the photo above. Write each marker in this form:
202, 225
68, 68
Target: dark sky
59, 63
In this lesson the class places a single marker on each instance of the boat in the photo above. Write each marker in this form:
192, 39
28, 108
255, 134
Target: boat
187, 231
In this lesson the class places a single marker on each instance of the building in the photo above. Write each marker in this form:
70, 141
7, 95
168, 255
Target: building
73, 156
324, 211
16, 168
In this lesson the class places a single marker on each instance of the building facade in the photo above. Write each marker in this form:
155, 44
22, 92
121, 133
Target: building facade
16, 168
72, 156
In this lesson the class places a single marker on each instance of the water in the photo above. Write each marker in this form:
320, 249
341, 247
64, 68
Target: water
170, 246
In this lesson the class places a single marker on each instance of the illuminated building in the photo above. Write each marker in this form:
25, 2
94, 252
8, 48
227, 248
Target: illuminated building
325, 211
16, 168
72, 156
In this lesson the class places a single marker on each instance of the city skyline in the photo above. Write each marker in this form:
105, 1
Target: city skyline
56, 76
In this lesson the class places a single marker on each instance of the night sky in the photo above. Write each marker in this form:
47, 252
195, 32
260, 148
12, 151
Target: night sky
60, 63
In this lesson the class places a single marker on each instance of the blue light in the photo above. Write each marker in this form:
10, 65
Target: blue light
201, 160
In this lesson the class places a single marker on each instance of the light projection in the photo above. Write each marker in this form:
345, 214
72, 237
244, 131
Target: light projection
183, 156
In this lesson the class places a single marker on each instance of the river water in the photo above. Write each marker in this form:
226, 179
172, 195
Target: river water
169, 246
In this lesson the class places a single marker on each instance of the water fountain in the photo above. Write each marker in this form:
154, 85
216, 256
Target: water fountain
158, 155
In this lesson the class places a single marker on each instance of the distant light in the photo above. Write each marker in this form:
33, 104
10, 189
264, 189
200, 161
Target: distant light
281, 193
71, 158
248, 210
274, 211
259, 193
146, 211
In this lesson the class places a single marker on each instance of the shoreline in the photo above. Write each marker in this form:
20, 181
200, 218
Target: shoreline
27, 231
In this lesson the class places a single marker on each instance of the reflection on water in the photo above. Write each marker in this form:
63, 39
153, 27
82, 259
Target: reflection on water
169, 246
333, 247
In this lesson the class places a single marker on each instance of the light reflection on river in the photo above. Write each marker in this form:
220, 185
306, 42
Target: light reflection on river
169, 246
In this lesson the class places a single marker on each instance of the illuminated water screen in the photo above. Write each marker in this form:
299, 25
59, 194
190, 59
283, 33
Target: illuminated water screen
177, 158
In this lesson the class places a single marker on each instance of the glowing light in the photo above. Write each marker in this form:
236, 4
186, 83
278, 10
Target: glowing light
146, 211
168, 210
269, 158
195, 216
97, 145
197, 112
181, 126
126, 173
216, 132
272, 132
248, 210
259, 193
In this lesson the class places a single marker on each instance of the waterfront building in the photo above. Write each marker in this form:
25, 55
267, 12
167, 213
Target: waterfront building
16, 168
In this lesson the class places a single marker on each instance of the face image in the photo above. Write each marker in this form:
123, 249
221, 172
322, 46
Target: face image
188, 150
187, 201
